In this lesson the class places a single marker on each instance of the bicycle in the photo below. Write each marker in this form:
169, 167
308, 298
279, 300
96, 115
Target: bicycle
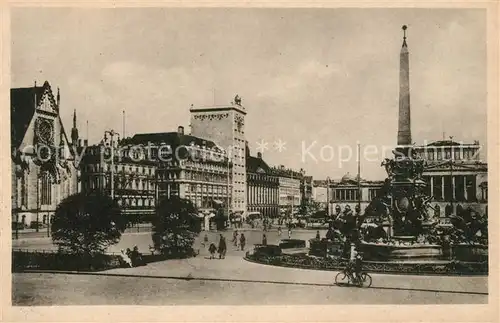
346, 277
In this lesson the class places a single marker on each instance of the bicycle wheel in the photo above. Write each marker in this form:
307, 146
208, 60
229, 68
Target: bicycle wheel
366, 280
341, 279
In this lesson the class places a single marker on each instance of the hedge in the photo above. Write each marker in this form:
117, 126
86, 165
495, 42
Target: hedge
292, 243
335, 263
52, 260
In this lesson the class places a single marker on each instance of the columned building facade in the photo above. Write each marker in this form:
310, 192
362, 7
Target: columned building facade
456, 176
262, 187
346, 191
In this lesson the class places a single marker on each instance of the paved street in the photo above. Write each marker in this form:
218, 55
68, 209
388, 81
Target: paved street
143, 239
232, 281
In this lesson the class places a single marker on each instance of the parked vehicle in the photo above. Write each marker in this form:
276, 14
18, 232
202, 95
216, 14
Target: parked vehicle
35, 224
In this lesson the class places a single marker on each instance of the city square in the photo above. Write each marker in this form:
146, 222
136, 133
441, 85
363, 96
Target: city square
232, 281
147, 179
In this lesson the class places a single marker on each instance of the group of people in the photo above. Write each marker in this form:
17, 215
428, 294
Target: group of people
280, 232
132, 258
238, 241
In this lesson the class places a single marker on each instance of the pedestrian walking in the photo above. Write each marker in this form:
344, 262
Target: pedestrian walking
212, 249
318, 237
264, 240
235, 238
279, 231
205, 241
289, 232
242, 241
222, 247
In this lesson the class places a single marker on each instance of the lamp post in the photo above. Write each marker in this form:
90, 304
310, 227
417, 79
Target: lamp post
48, 213
17, 223
37, 201
359, 178
112, 134
328, 196
451, 175
227, 182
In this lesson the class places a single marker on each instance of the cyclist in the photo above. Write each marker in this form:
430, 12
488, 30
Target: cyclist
358, 266
355, 266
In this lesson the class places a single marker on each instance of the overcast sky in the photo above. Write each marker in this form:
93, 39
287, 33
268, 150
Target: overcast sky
328, 76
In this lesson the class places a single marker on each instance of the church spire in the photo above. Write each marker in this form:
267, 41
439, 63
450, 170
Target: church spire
404, 124
74, 131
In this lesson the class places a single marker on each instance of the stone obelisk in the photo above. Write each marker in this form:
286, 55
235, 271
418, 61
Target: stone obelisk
404, 124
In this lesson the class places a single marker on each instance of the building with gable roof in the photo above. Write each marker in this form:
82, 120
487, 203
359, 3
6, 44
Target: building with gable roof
44, 170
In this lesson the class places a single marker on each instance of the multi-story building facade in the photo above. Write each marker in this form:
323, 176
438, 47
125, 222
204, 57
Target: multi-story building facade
262, 187
306, 190
43, 164
320, 192
289, 189
456, 176
188, 166
346, 191
129, 179
225, 126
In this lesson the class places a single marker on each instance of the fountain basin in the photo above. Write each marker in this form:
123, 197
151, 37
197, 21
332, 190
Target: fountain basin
401, 252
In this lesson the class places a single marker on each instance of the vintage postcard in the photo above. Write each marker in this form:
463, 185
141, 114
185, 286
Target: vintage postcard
217, 158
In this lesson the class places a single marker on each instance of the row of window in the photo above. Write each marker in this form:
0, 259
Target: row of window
118, 168
446, 154
137, 202
206, 177
198, 188
262, 195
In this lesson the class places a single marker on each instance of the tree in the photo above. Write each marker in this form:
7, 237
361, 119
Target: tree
87, 224
175, 226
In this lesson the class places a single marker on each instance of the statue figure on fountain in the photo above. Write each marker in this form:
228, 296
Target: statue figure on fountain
402, 198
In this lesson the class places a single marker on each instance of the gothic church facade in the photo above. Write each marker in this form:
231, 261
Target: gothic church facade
44, 170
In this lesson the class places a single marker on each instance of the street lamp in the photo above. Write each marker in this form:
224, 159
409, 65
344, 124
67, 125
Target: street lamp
37, 201
328, 196
227, 183
112, 134
451, 174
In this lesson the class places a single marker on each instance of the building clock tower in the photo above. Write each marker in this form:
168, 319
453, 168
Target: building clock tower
225, 126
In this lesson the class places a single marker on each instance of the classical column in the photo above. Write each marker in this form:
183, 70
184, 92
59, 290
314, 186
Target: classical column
453, 188
442, 187
432, 185
465, 188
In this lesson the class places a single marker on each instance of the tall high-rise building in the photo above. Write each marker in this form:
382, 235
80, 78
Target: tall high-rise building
225, 126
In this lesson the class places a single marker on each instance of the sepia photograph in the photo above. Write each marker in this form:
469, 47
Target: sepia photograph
249, 156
